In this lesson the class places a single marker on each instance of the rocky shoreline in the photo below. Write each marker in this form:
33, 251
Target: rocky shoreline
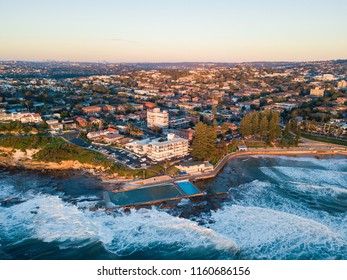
19, 160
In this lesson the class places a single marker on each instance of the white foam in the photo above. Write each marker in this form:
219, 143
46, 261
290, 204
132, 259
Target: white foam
7, 190
322, 190
337, 164
267, 195
48, 218
269, 234
184, 201
307, 175
55, 220
150, 228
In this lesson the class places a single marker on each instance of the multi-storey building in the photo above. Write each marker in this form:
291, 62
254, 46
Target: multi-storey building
156, 118
160, 149
179, 123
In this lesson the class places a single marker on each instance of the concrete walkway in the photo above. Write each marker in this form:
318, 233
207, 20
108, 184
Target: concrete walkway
306, 147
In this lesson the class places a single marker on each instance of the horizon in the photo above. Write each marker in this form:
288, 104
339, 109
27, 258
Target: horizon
175, 62
173, 31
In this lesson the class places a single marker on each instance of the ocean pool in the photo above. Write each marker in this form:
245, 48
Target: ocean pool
188, 187
144, 195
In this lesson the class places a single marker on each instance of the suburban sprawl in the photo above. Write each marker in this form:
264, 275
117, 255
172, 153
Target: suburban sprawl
142, 121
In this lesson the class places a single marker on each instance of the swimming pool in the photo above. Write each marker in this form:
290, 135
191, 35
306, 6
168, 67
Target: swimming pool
188, 187
145, 195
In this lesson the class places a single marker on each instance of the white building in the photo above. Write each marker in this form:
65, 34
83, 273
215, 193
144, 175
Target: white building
55, 125
160, 149
22, 117
242, 148
195, 167
97, 135
157, 118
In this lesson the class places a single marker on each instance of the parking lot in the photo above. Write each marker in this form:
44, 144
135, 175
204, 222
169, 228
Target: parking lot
119, 155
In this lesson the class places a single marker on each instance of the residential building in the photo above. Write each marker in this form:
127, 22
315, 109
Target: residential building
21, 117
92, 110
54, 125
156, 118
109, 108
342, 84
96, 135
317, 92
83, 123
184, 133
160, 149
179, 123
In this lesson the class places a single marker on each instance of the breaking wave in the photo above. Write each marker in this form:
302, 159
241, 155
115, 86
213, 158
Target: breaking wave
293, 210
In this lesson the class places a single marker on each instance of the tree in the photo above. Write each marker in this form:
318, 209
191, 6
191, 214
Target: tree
264, 128
225, 127
246, 126
215, 124
203, 146
261, 124
297, 136
274, 126
214, 111
286, 131
255, 123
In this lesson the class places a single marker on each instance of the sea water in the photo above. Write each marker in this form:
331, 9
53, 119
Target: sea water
276, 208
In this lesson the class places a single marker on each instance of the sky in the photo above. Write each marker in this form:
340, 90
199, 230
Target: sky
173, 31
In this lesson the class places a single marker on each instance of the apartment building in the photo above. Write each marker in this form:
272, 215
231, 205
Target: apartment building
157, 118
179, 123
160, 149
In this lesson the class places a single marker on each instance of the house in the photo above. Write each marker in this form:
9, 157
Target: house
149, 105
317, 92
184, 133
54, 125
21, 117
83, 123
112, 138
97, 135
109, 108
90, 110
69, 124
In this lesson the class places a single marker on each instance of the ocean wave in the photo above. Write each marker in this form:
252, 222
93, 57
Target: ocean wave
335, 164
48, 218
307, 176
269, 234
7, 190
322, 190
322, 204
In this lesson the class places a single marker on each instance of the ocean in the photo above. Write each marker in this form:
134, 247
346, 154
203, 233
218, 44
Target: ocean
272, 207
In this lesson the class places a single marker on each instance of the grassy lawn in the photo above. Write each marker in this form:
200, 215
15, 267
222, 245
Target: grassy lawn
255, 144
324, 139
